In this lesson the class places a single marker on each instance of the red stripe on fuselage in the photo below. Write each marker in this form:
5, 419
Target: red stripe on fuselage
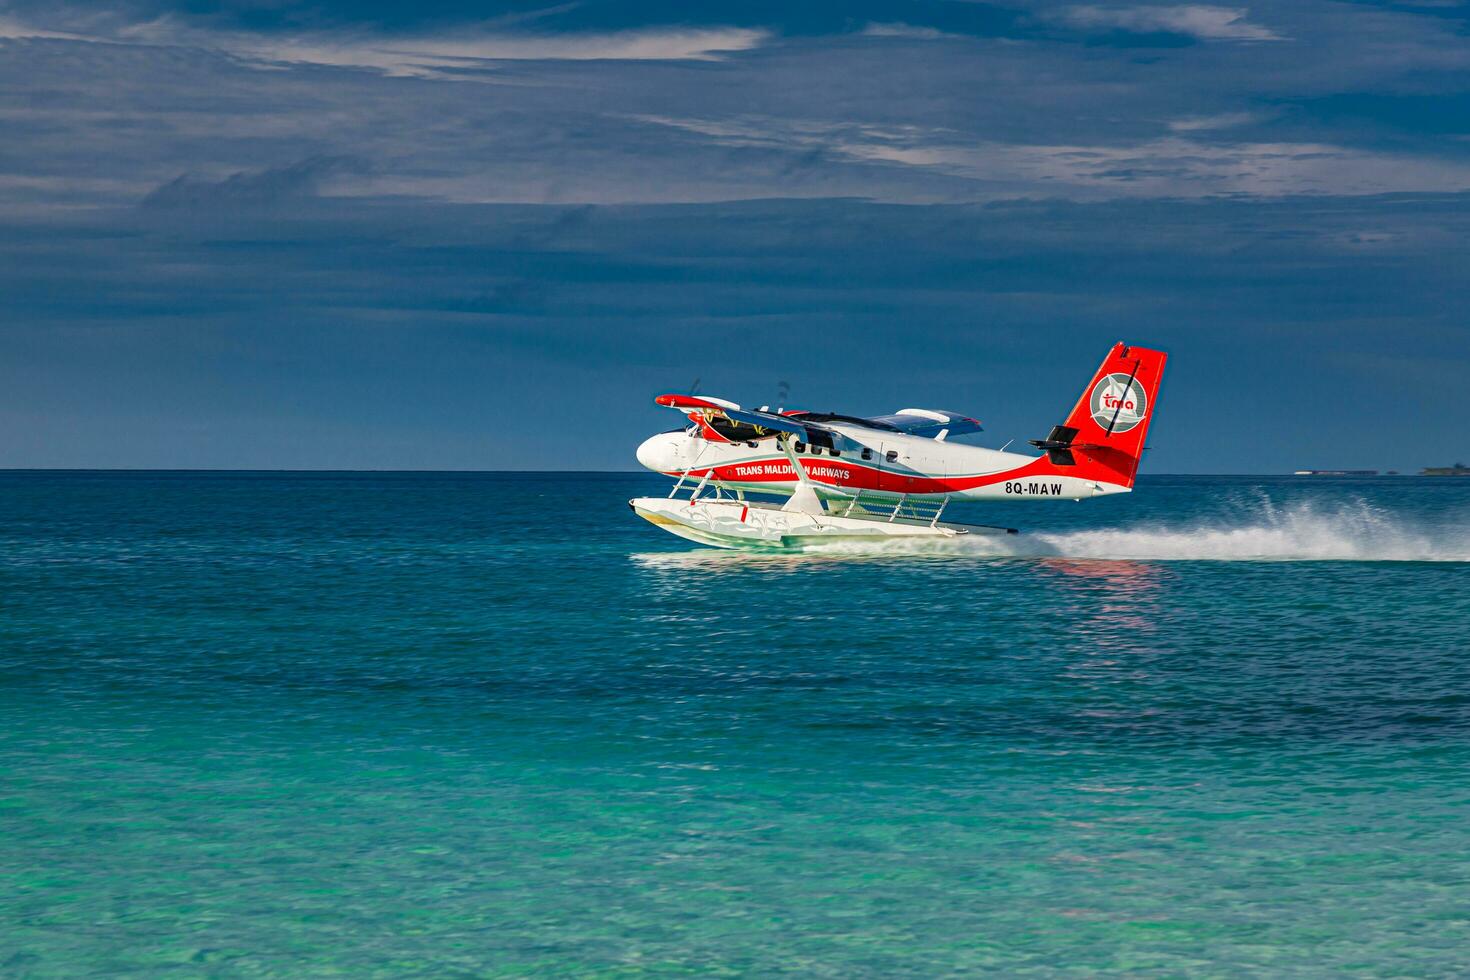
842, 473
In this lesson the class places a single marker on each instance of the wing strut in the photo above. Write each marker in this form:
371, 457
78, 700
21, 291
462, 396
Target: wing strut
804, 499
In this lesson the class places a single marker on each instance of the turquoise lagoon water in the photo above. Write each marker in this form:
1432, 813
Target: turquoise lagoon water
480, 725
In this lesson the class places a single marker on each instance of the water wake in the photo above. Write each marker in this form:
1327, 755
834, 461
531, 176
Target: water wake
1353, 531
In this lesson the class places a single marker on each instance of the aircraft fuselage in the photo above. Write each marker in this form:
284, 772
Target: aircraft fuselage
865, 459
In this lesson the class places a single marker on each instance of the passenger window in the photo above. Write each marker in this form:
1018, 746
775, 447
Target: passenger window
892, 455
836, 452
867, 454
800, 447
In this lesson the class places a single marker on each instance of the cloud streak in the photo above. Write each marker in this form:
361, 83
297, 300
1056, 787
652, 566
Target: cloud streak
273, 187
13, 29
1173, 166
432, 55
908, 31
438, 57
1200, 21
1223, 120
889, 109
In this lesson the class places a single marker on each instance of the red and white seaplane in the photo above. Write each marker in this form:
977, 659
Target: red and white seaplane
871, 479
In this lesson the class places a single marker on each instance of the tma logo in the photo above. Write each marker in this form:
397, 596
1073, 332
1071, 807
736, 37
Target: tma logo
1119, 397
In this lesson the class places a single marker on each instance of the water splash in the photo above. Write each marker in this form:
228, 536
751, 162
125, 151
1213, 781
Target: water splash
1349, 531
1303, 532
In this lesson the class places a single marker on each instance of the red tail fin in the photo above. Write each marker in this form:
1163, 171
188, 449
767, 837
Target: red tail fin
1103, 437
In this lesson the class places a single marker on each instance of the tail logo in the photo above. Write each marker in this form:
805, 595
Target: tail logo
1118, 397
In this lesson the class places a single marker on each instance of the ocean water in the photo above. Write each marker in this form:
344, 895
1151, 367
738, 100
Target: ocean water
495, 725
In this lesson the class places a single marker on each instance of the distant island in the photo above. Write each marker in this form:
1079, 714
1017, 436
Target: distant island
1457, 469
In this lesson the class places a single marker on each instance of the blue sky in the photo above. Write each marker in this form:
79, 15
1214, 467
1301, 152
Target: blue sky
441, 235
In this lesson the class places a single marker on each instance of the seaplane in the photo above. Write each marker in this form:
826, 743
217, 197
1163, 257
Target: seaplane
842, 478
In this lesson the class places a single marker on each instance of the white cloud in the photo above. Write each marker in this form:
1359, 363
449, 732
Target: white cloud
752, 130
12, 30
423, 55
842, 116
898, 29
1174, 166
1179, 167
1223, 120
1208, 23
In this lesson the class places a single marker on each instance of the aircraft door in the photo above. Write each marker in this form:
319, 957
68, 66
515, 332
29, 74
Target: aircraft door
886, 457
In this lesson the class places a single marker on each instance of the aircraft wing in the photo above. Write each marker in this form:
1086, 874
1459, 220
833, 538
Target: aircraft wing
724, 421
928, 422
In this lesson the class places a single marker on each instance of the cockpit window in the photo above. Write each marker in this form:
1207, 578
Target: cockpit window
739, 431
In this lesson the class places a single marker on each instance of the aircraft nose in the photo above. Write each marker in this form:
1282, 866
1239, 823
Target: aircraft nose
654, 454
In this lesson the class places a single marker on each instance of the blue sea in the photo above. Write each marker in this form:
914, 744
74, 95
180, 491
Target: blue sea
464, 725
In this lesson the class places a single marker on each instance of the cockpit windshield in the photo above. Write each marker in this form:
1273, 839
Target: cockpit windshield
740, 431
